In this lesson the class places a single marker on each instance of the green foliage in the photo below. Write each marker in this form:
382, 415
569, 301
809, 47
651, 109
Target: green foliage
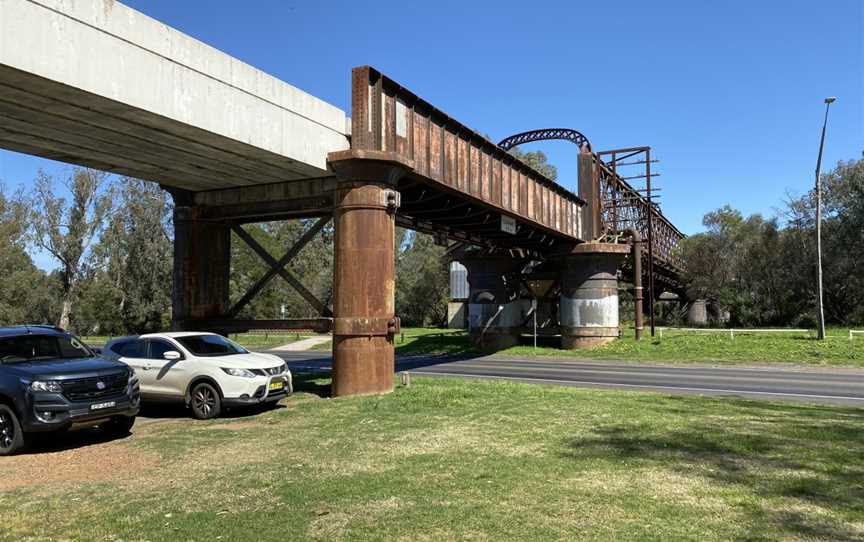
422, 282
19, 279
764, 273
536, 160
66, 229
129, 286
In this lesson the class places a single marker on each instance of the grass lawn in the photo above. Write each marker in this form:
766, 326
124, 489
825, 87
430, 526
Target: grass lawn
674, 347
450, 459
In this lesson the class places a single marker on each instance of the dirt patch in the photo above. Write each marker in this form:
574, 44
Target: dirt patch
99, 461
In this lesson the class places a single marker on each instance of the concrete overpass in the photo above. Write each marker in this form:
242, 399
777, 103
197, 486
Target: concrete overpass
98, 84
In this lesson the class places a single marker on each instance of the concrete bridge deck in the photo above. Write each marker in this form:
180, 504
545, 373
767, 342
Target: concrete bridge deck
99, 84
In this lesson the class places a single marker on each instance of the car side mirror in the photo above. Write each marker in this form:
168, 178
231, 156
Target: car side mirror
171, 355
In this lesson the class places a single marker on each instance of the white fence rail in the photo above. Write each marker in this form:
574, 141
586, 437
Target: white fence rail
853, 332
732, 331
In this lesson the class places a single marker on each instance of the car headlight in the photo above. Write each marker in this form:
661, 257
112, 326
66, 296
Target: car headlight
245, 373
46, 385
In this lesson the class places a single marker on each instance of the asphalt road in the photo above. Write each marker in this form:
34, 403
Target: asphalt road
833, 386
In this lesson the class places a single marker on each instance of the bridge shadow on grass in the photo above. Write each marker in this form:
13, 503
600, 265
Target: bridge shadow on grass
791, 458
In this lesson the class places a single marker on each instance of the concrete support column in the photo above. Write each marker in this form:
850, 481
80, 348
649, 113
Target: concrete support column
495, 311
202, 257
697, 313
364, 274
589, 294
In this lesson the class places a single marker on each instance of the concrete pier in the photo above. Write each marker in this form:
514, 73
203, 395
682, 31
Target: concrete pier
589, 294
495, 311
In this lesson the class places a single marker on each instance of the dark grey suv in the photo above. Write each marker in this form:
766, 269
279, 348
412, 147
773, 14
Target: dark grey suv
51, 381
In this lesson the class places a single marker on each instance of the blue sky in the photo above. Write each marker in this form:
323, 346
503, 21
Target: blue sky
728, 93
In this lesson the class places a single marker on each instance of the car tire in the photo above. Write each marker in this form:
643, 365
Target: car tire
12, 437
205, 401
119, 426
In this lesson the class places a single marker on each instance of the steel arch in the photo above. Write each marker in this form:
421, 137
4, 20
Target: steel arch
541, 135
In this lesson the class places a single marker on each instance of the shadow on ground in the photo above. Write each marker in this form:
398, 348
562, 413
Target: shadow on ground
797, 460
67, 440
163, 411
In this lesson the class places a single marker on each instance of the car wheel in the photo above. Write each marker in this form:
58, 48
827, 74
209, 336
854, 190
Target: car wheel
12, 438
205, 401
119, 426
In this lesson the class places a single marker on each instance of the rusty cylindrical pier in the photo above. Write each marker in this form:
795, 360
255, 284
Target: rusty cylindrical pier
364, 322
589, 294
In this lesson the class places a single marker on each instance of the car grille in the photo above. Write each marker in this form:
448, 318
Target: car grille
271, 371
84, 389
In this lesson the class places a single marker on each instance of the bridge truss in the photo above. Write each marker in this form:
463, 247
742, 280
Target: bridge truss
622, 205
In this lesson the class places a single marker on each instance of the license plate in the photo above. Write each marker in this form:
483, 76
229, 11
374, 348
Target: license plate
100, 406
278, 385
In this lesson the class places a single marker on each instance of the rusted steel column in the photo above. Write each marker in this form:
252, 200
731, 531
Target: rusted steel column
589, 190
364, 273
202, 256
589, 294
636, 255
495, 311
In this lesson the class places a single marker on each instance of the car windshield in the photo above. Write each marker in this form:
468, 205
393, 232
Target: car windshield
210, 345
35, 347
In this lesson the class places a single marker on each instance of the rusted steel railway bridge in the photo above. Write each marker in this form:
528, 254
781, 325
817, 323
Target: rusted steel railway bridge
235, 146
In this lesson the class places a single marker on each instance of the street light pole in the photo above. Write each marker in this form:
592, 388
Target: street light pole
820, 311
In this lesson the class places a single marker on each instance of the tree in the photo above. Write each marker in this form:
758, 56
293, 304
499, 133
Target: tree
19, 279
128, 287
422, 282
536, 160
66, 229
764, 273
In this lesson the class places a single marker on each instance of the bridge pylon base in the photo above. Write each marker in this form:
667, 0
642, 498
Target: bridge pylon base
364, 272
495, 308
589, 294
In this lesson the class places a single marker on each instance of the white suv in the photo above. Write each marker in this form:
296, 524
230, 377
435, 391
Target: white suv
204, 370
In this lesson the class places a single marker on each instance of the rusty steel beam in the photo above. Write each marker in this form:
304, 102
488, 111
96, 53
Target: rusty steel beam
450, 157
310, 298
